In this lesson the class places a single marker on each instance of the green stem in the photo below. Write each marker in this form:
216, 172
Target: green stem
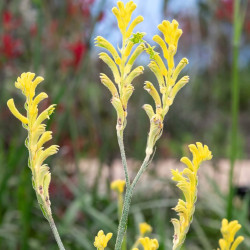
237, 29
123, 156
126, 206
55, 232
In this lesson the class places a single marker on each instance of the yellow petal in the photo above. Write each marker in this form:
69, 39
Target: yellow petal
15, 112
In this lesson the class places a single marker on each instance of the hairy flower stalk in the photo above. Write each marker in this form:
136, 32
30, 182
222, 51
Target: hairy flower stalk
228, 230
167, 79
187, 182
37, 137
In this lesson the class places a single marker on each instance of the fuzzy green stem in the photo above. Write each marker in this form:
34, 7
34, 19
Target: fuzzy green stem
126, 206
123, 156
55, 232
120, 206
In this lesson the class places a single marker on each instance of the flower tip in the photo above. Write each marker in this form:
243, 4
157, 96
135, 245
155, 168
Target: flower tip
10, 102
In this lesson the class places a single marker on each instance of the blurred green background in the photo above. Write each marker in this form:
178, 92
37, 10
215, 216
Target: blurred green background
55, 39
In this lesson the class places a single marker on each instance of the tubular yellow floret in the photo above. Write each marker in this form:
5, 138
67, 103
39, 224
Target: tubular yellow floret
133, 57
161, 65
149, 110
180, 84
181, 65
136, 21
153, 92
109, 84
163, 46
102, 42
15, 112
156, 70
136, 72
128, 48
107, 59
127, 92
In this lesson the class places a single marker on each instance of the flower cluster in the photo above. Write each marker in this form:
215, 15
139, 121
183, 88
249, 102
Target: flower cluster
228, 230
187, 182
149, 244
144, 228
101, 240
122, 62
37, 136
166, 77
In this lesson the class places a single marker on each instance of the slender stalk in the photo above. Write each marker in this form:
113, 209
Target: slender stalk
55, 232
123, 156
127, 202
237, 30
120, 206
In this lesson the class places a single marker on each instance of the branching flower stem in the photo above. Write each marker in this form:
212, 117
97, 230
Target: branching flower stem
127, 202
123, 156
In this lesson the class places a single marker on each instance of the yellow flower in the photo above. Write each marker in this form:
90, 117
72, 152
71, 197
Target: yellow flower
37, 136
149, 244
121, 61
228, 231
145, 228
187, 181
166, 77
118, 186
101, 240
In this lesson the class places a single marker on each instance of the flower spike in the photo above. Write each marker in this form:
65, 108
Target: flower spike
187, 182
122, 60
166, 76
37, 136
149, 244
228, 230
101, 240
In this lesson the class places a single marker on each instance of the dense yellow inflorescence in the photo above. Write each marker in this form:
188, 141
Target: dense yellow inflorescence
122, 61
187, 182
118, 185
37, 135
228, 231
101, 240
144, 228
149, 244
167, 79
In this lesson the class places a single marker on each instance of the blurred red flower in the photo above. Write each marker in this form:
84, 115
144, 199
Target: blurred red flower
9, 23
225, 10
77, 50
10, 47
